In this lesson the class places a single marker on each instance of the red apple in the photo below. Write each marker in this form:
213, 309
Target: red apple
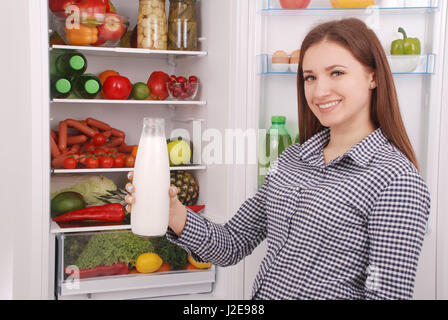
294, 4
112, 29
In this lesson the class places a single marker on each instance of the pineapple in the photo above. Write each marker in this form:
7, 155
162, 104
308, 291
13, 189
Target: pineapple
188, 187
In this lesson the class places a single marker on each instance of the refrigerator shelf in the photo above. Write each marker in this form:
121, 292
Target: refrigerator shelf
137, 102
136, 286
190, 167
400, 64
130, 52
321, 7
56, 228
125, 286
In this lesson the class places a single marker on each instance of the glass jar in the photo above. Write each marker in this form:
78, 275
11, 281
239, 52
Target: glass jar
152, 25
182, 25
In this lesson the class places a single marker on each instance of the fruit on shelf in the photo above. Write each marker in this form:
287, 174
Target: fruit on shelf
179, 152
117, 87
181, 88
352, 3
157, 85
294, 4
112, 29
187, 185
140, 91
66, 202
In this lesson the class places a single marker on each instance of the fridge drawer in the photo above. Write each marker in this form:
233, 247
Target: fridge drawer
102, 265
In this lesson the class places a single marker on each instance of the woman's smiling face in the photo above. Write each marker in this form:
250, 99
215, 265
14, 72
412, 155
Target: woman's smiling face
337, 86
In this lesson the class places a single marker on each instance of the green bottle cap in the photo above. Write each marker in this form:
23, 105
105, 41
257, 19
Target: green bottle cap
63, 85
92, 86
278, 119
77, 62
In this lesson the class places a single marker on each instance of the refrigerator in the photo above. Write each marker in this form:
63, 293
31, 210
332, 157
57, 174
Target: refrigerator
239, 92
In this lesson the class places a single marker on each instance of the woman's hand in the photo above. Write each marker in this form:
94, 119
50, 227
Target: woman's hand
178, 212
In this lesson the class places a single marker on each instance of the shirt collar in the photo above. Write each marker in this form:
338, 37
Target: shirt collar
361, 153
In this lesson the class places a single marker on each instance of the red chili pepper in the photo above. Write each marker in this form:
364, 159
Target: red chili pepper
108, 212
117, 268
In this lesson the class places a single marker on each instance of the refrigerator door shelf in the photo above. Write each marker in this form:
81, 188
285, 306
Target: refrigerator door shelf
323, 7
400, 64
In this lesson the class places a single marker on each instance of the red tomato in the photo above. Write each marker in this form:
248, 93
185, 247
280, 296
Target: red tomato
91, 163
129, 161
119, 162
70, 163
117, 88
294, 4
89, 147
100, 151
99, 139
106, 162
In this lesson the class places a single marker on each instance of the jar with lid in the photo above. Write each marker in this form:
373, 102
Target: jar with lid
152, 25
182, 25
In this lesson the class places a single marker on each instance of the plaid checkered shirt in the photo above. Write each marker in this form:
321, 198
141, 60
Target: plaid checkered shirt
349, 229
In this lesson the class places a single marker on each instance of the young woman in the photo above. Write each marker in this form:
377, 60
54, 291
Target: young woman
344, 212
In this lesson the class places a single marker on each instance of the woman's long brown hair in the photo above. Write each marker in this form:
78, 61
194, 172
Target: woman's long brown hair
362, 42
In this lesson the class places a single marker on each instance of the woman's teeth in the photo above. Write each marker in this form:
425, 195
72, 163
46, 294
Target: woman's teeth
328, 105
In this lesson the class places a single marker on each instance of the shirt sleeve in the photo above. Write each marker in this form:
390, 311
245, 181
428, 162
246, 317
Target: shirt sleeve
226, 244
396, 228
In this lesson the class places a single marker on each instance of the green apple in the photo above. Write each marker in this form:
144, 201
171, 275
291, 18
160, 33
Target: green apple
179, 152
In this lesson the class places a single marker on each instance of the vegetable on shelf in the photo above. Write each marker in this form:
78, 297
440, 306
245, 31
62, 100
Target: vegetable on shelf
81, 35
352, 3
405, 45
114, 269
113, 212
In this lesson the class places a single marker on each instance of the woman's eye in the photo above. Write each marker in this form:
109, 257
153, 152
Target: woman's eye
337, 73
309, 78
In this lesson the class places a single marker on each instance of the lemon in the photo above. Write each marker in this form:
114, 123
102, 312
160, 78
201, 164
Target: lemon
200, 265
148, 262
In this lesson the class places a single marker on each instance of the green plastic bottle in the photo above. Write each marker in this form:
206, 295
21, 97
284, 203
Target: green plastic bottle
297, 139
61, 88
86, 86
277, 140
70, 64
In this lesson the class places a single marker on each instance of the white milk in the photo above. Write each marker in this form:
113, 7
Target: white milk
150, 212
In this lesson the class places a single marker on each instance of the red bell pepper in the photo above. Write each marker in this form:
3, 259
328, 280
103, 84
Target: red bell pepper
112, 212
157, 85
117, 268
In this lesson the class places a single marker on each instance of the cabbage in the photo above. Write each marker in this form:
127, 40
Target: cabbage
90, 187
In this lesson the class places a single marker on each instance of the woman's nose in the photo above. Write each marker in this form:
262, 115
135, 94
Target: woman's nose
322, 88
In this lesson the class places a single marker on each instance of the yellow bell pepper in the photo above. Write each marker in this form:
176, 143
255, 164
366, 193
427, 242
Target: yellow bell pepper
81, 36
352, 3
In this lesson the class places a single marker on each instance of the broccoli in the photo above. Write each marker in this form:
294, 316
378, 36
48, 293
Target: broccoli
170, 253
109, 248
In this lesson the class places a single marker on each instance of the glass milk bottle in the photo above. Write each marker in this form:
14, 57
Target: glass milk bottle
150, 212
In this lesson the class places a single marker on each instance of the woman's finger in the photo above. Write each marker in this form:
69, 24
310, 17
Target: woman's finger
129, 187
130, 175
129, 199
173, 192
128, 208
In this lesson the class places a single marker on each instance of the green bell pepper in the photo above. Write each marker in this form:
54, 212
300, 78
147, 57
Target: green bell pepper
405, 45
